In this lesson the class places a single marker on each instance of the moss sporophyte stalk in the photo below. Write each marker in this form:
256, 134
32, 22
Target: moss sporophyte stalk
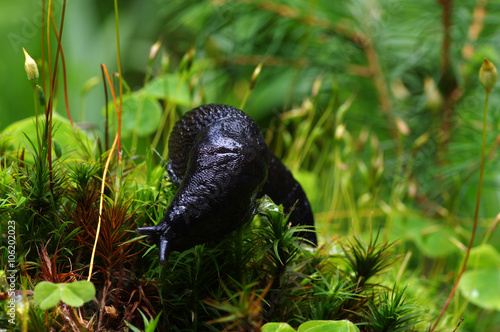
488, 78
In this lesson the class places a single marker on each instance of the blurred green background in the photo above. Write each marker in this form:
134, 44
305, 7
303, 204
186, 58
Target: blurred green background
300, 40
88, 41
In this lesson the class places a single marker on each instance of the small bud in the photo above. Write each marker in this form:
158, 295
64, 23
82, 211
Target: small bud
41, 95
187, 60
316, 86
399, 90
153, 51
31, 68
339, 132
375, 143
165, 62
433, 97
362, 138
57, 148
402, 126
255, 75
488, 75
420, 141
412, 188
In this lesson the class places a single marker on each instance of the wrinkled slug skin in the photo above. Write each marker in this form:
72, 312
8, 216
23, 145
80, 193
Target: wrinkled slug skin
221, 163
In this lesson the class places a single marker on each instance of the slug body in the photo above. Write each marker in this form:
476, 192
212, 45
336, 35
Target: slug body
221, 163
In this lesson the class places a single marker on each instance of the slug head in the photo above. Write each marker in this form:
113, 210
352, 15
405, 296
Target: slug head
162, 235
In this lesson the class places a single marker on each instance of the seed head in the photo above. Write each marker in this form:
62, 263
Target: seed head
31, 68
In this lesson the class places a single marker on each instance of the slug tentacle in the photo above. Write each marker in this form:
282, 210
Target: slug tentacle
221, 163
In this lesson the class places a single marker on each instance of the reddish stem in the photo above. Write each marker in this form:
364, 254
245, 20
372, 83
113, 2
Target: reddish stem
106, 124
64, 74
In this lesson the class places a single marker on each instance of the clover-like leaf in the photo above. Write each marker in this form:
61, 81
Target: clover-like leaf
484, 256
479, 287
277, 327
77, 293
313, 326
169, 86
328, 326
141, 113
47, 295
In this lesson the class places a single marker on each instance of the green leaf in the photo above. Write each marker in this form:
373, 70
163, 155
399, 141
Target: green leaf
313, 326
277, 327
150, 326
132, 327
480, 287
47, 295
141, 113
438, 244
328, 326
77, 293
169, 86
486, 255
62, 133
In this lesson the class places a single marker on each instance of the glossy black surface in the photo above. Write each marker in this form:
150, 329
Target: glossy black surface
219, 159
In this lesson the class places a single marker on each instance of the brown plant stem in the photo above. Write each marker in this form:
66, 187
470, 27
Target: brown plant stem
120, 78
63, 61
43, 45
446, 18
112, 88
448, 85
48, 110
378, 77
47, 134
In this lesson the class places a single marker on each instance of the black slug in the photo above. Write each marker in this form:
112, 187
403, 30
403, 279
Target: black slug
221, 162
